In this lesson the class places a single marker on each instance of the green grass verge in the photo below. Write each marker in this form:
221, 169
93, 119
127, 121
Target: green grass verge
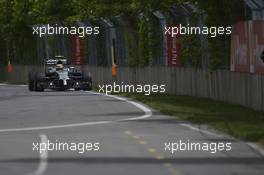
236, 120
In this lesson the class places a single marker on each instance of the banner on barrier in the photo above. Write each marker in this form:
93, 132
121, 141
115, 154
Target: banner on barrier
174, 51
77, 51
247, 47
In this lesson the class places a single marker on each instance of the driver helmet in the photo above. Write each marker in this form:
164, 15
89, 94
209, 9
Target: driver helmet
59, 65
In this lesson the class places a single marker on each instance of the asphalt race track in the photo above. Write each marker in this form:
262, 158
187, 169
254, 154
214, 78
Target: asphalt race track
131, 138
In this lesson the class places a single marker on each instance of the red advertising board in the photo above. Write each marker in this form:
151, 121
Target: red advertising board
240, 48
77, 50
257, 46
173, 50
247, 46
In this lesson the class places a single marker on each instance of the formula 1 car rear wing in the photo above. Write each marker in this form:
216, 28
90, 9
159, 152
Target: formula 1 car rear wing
55, 61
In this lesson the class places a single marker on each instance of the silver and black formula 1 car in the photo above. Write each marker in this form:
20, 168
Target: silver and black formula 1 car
58, 76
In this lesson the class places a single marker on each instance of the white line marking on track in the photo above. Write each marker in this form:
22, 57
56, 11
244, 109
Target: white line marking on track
43, 164
148, 113
256, 147
55, 126
200, 130
19, 85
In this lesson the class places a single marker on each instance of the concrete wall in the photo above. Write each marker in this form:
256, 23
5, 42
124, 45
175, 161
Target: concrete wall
239, 88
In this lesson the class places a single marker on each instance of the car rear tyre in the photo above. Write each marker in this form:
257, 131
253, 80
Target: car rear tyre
87, 83
31, 81
34, 82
